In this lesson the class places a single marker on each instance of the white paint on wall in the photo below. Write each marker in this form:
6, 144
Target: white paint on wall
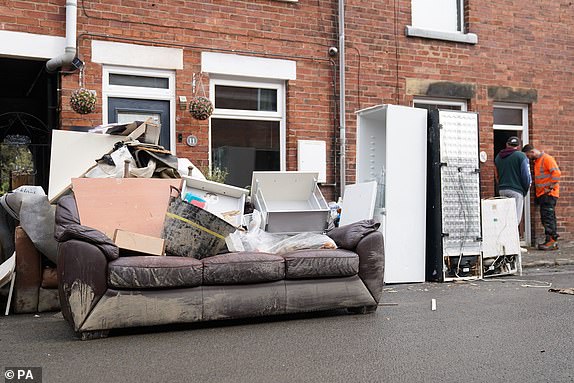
107, 52
248, 66
31, 46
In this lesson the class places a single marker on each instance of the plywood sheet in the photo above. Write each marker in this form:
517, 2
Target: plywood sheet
73, 153
132, 204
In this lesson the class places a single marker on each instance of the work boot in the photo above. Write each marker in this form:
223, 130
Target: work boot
550, 244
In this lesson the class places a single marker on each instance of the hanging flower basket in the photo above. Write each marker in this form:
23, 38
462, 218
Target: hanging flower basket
200, 108
83, 100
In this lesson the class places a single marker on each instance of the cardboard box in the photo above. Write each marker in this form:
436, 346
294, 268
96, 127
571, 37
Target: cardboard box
140, 243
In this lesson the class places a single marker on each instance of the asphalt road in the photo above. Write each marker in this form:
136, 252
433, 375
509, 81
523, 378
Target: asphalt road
498, 330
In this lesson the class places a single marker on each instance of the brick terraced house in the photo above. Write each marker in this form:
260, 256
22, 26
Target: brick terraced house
268, 67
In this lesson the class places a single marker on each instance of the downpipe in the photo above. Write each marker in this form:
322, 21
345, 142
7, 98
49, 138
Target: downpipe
69, 54
342, 109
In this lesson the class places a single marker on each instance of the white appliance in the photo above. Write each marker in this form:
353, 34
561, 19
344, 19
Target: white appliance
501, 253
392, 150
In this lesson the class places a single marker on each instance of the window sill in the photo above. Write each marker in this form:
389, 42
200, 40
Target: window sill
467, 38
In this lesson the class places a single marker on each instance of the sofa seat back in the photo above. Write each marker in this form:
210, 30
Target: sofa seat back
325, 263
154, 272
242, 268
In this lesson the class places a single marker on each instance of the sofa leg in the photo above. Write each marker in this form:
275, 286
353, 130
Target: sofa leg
89, 335
362, 309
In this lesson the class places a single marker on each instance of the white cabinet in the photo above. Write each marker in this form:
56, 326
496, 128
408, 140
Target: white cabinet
392, 150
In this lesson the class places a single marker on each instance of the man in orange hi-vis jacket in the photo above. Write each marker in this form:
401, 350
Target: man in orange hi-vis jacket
547, 185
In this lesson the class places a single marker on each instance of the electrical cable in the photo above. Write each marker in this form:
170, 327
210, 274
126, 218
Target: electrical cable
81, 36
88, 14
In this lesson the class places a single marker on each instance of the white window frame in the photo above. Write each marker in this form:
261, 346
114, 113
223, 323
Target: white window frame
458, 35
441, 101
524, 129
141, 93
279, 115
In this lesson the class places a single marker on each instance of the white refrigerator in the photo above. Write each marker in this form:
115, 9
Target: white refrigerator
392, 150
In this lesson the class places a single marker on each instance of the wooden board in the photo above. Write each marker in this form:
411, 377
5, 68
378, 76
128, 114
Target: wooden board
72, 154
132, 204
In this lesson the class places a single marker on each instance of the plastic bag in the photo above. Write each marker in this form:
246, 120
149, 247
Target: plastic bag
256, 239
302, 241
115, 168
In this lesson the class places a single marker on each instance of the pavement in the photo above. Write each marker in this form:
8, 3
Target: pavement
535, 258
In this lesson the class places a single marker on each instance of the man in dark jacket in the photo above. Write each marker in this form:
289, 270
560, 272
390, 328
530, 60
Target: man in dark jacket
513, 174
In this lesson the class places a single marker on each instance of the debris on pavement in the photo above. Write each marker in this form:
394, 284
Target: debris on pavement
569, 291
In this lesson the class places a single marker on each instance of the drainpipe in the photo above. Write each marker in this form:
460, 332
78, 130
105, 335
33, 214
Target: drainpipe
69, 54
342, 109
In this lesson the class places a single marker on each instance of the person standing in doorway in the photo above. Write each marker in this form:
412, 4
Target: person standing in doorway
547, 185
512, 173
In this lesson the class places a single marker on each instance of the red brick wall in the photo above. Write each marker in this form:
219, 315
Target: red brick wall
265, 28
523, 45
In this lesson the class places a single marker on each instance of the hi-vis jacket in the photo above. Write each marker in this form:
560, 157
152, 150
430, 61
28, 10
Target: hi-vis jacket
546, 176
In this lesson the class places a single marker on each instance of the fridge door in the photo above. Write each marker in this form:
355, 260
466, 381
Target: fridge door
391, 140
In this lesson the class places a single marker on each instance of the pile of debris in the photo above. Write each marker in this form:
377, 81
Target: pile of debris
151, 202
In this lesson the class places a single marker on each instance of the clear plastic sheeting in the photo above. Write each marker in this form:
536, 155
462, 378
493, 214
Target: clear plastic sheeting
256, 239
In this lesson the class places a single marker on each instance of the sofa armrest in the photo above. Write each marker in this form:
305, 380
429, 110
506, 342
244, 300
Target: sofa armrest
348, 236
28, 273
82, 274
371, 253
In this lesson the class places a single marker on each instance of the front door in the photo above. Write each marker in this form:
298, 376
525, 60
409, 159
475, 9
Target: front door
124, 110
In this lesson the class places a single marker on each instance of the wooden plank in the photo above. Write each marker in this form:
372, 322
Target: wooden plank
133, 204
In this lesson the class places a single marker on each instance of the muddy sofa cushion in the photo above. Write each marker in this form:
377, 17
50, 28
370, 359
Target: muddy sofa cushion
153, 272
305, 264
349, 236
242, 267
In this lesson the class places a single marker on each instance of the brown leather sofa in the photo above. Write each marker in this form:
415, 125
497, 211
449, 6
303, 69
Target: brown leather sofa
100, 291
36, 285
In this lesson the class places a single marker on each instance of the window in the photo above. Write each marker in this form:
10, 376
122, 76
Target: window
439, 19
510, 117
438, 15
247, 127
437, 103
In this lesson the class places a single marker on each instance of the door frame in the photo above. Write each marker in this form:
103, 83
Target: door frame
141, 93
524, 129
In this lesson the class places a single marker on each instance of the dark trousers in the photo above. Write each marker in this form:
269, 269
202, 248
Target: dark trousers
548, 215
